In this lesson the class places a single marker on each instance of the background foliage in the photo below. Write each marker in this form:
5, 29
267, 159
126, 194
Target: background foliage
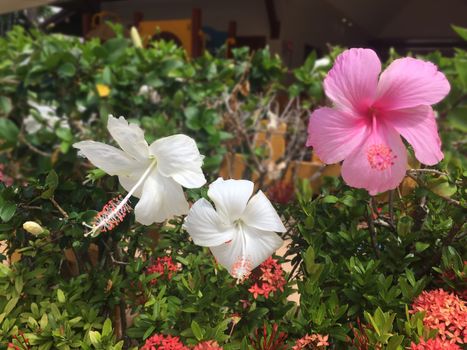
357, 262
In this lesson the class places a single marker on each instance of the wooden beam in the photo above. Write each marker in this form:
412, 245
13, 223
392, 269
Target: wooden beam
231, 37
196, 39
274, 23
137, 17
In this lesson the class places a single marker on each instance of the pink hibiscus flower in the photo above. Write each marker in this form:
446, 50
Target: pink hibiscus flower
364, 126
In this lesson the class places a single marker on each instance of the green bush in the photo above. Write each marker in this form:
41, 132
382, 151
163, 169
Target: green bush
358, 261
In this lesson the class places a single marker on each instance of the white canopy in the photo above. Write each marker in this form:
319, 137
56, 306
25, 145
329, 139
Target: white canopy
7, 6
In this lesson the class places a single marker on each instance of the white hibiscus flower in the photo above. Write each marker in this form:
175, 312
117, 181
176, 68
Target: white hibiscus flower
46, 117
241, 231
154, 173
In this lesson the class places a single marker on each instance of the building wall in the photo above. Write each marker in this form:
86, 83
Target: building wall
314, 23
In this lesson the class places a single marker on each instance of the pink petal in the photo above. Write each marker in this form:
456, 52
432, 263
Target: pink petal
334, 134
409, 82
418, 126
379, 164
352, 81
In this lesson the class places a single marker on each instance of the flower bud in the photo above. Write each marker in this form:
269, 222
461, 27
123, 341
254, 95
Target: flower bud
33, 228
136, 38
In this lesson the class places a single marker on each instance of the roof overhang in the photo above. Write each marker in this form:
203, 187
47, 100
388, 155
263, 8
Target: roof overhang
7, 6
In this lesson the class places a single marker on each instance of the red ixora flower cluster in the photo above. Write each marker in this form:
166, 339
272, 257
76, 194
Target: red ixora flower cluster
314, 341
164, 266
163, 342
21, 340
169, 342
434, 344
444, 312
270, 280
281, 192
208, 345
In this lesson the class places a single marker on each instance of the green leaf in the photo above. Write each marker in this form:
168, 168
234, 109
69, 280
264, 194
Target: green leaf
192, 117
10, 306
330, 199
460, 62
19, 284
349, 201
44, 321
67, 70
95, 338
107, 76
404, 225
60, 296
410, 277
442, 186
420, 246
115, 48
8, 133
64, 134
457, 118
51, 183
394, 342
7, 210
461, 31
35, 310
373, 322
5, 105
197, 330
148, 332
107, 328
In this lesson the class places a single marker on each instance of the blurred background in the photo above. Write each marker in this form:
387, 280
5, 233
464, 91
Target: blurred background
291, 28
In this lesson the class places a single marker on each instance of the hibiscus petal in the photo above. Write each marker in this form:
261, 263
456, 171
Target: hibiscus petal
108, 158
230, 197
334, 134
249, 248
162, 199
379, 164
178, 157
409, 82
130, 180
352, 81
418, 126
129, 137
260, 213
205, 226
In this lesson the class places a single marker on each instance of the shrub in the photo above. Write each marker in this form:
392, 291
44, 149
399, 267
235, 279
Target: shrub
358, 262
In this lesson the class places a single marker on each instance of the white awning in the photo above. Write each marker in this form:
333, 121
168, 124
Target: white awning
7, 6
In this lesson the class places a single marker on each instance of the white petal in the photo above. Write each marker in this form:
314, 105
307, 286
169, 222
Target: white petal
129, 137
249, 248
261, 214
230, 197
178, 157
108, 158
162, 199
129, 181
205, 226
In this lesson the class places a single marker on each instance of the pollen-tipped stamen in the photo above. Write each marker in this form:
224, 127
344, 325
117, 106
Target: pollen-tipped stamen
116, 211
243, 265
241, 268
108, 217
380, 157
